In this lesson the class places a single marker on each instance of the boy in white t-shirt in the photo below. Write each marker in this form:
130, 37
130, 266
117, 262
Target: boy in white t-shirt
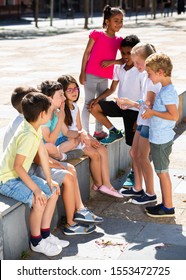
130, 82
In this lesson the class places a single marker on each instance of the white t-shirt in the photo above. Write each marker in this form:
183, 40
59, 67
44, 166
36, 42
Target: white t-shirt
130, 83
11, 129
147, 86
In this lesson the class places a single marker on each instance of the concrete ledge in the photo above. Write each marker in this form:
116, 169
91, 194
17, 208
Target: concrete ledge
182, 106
118, 157
14, 216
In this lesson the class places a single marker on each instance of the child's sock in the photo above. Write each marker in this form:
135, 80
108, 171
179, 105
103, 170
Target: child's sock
113, 129
45, 232
150, 194
165, 208
35, 239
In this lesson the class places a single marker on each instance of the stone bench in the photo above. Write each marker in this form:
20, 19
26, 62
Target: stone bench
14, 215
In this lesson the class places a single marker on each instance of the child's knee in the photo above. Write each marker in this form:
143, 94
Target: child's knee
95, 155
72, 169
69, 179
38, 206
94, 109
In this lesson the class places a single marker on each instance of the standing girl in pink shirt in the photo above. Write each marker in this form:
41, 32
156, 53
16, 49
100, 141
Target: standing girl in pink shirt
95, 71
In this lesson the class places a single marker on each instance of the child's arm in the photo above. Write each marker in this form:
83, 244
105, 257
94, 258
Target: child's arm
150, 98
104, 95
44, 159
171, 113
67, 132
83, 134
90, 44
51, 136
125, 103
107, 63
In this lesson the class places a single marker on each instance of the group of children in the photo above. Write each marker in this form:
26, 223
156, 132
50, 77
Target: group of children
48, 131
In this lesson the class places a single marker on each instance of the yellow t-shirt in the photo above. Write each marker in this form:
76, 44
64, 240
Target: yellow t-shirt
25, 142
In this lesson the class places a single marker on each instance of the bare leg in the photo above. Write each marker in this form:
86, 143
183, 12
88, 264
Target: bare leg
97, 112
104, 166
35, 219
68, 145
95, 165
49, 211
78, 201
147, 170
166, 189
68, 195
135, 162
53, 151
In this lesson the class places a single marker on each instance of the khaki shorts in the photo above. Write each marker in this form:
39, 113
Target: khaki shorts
160, 156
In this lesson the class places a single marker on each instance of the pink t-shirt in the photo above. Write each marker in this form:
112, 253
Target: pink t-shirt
105, 48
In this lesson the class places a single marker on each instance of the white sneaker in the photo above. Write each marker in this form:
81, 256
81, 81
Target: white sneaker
46, 248
56, 241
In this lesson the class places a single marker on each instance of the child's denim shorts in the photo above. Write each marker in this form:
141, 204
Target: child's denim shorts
61, 140
143, 130
16, 189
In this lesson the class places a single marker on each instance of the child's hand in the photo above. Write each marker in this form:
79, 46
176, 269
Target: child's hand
95, 143
92, 103
106, 63
123, 103
40, 197
61, 113
148, 113
54, 187
85, 139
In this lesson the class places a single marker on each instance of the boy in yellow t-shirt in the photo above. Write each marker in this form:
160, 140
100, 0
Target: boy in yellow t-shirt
16, 183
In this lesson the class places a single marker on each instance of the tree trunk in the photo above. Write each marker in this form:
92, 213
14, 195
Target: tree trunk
154, 8
36, 11
86, 11
51, 11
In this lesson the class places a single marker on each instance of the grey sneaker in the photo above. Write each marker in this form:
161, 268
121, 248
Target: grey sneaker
73, 154
79, 229
86, 216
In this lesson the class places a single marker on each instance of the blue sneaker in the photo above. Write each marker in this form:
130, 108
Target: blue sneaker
113, 136
153, 207
159, 211
78, 229
144, 199
86, 216
131, 192
129, 181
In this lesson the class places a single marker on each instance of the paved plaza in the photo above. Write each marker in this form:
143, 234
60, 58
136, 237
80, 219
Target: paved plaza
29, 56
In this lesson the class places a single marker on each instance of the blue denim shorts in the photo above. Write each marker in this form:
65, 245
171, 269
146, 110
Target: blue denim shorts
61, 140
16, 189
144, 131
